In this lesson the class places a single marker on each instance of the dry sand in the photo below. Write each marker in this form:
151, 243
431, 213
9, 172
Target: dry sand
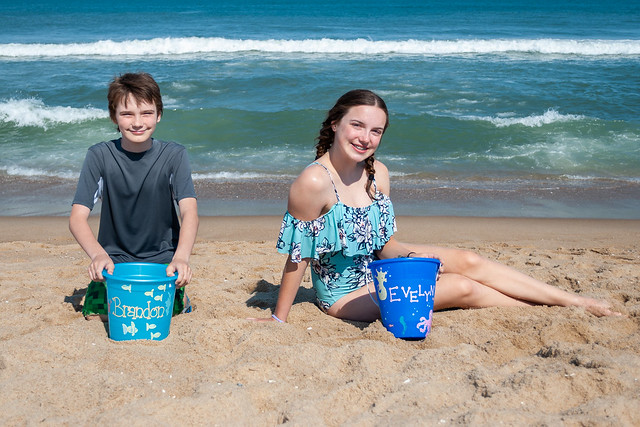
524, 366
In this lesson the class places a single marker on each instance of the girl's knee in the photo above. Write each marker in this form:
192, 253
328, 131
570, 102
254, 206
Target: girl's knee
468, 260
465, 288
457, 291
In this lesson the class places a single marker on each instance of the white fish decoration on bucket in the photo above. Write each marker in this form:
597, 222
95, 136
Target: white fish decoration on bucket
155, 335
151, 326
158, 297
162, 288
129, 329
126, 288
149, 293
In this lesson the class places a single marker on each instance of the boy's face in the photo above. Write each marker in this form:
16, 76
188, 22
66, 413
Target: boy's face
137, 121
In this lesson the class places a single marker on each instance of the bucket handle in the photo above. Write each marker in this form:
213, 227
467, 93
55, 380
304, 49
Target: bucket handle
372, 298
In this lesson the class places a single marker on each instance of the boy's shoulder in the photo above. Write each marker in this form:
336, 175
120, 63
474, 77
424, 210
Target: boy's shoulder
169, 144
168, 148
103, 144
101, 149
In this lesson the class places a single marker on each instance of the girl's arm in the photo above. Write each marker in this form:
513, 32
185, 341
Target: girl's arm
394, 249
289, 285
310, 195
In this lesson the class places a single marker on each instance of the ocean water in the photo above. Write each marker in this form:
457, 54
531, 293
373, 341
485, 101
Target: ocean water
497, 108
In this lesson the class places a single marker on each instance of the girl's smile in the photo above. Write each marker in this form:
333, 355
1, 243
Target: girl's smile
359, 132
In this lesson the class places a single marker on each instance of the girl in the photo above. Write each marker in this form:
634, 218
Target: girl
340, 218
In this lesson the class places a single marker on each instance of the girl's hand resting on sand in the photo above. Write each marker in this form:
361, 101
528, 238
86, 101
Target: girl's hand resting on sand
261, 319
273, 318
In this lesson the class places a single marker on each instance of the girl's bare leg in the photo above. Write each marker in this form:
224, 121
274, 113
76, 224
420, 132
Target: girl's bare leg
456, 291
471, 281
508, 281
359, 305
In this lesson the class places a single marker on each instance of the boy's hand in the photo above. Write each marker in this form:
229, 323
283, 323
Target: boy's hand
183, 270
98, 264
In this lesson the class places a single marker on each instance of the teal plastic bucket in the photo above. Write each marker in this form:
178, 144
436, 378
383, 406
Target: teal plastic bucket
405, 288
140, 299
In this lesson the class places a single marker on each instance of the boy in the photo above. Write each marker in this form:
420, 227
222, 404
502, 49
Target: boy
138, 178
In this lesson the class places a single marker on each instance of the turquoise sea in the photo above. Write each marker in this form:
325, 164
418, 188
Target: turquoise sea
510, 108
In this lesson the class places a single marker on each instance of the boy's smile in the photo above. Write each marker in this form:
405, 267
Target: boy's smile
136, 121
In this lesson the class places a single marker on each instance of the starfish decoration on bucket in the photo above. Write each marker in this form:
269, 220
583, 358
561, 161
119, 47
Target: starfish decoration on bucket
425, 325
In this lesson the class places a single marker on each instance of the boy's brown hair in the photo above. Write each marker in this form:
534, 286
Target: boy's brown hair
140, 85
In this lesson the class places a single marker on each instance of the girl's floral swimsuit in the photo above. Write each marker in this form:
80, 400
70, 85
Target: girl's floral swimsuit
340, 244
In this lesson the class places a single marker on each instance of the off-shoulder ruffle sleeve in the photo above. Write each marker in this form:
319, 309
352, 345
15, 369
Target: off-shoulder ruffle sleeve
354, 231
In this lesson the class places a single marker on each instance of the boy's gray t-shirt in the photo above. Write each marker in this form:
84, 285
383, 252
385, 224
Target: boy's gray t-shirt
138, 220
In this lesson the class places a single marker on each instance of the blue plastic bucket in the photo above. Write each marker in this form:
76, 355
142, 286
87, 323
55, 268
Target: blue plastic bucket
405, 288
140, 298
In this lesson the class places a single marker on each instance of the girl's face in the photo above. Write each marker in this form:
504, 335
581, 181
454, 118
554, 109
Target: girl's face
359, 132
136, 121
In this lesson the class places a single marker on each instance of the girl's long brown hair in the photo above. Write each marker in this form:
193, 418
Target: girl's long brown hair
350, 99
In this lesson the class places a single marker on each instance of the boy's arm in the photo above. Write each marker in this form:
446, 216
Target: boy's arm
188, 231
79, 227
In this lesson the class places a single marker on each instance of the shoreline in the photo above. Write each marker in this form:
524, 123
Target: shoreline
413, 229
53, 197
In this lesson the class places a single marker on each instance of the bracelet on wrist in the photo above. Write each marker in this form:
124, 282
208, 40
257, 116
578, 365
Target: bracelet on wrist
409, 254
276, 318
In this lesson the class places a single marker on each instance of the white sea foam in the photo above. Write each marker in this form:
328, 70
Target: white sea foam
51, 172
550, 116
170, 103
191, 45
33, 112
30, 172
229, 176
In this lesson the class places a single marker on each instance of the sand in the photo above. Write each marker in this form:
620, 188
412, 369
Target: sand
517, 366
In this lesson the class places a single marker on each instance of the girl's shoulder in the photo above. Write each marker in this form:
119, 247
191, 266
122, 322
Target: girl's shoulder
382, 177
313, 179
311, 193
380, 167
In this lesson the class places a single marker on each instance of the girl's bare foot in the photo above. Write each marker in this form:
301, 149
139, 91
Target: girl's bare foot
599, 308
